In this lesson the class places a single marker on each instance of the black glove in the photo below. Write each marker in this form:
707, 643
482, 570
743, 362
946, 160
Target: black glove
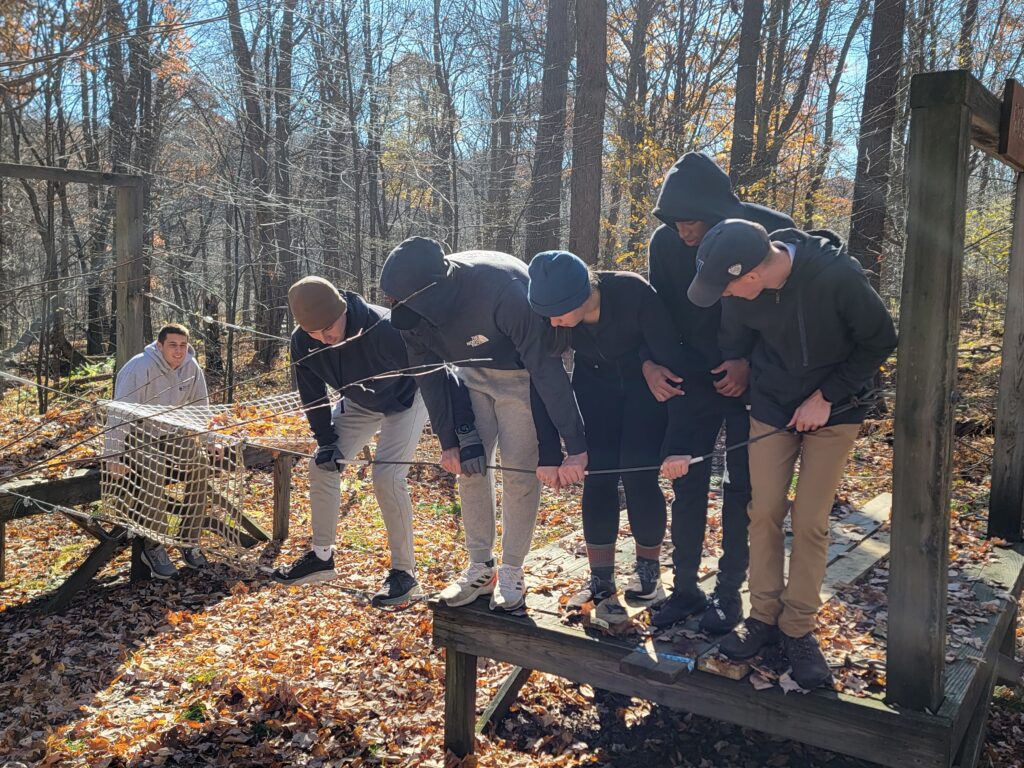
471, 451
329, 458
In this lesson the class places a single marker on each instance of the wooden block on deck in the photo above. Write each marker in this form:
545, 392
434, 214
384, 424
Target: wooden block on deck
657, 662
715, 665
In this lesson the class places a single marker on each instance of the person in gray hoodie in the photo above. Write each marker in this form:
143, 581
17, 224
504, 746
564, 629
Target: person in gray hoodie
166, 373
473, 305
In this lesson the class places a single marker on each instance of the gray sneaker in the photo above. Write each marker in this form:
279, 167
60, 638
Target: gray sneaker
194, 557
160, 565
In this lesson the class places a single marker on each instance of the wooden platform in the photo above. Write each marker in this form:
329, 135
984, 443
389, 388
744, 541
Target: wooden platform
83, 487
864, 727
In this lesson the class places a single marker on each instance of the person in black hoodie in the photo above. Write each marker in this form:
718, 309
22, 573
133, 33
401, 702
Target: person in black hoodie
343, 342
606, 317
695, 196
472, 306
800, 308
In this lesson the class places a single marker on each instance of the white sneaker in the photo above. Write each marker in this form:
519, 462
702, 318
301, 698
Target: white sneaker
510, 594
475, 581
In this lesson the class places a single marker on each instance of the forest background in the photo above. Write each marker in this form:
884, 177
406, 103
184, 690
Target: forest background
292, 137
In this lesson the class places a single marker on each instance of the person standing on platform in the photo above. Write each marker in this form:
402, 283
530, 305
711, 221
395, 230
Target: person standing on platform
695, 196
607, 318
473, 305
816, 333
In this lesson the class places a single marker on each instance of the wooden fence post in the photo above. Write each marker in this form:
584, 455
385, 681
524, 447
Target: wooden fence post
131, 277
1006, 501
459, 702
283, 464
940, 137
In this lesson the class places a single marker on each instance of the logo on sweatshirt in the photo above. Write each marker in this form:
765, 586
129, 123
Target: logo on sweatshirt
476, 341
735, 270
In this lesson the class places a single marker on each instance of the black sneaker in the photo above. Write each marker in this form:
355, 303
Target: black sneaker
308, 569
725, 611
595, 591
747, 640
679, 607
194, 557
648, 573
159, 563
399, 587
809, 668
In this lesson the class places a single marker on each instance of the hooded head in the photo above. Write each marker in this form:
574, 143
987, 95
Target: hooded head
559, 283
696, 189
417, 279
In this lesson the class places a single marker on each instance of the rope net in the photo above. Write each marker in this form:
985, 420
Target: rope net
175, 473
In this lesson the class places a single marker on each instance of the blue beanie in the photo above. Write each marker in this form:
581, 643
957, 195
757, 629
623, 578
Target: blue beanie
559, 283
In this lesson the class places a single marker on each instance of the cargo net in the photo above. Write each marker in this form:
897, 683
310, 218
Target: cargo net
174, 473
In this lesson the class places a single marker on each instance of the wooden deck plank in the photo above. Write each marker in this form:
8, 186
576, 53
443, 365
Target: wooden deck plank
859, 727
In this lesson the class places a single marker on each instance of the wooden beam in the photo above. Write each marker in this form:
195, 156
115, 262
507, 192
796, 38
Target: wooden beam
81, 487
940, 136
131, 277
459, 702
102, 554
69, 175
959, 86
1006, 500
283, 464
505, 697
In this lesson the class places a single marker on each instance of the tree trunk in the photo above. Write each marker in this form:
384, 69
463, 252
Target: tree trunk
874, 149
742, 151
499, 187
588, 129
543, 214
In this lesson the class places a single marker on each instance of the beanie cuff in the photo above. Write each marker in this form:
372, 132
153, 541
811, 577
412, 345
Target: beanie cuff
562, 306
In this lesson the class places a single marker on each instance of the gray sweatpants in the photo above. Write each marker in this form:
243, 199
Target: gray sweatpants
399, 436
504, 419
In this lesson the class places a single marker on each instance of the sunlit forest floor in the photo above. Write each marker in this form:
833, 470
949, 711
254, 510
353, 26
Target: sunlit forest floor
227, 668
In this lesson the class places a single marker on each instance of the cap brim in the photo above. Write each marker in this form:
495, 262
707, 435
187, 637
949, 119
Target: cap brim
403, 318
702, 293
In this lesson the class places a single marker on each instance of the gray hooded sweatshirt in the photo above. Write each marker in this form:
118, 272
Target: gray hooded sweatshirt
147, 378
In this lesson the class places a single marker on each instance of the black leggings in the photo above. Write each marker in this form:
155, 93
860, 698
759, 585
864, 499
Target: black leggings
624, 426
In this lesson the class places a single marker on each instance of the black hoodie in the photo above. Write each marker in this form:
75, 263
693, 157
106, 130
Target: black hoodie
696, 189
826, 328
378, 349
474, 305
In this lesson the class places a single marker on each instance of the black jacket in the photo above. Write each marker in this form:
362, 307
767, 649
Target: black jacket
632, 317
825, 328
696, 190
378, 349
479, 309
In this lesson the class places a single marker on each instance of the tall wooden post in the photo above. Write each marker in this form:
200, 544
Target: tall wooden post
131, 277
1006, 501
940, 137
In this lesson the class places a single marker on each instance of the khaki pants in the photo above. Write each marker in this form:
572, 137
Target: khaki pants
792, 605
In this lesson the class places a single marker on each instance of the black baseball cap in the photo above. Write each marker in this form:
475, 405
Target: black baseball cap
730, 249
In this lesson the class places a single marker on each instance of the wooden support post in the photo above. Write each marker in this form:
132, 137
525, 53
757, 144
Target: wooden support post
131, 277
498, 707
459, 702
138, 571
283, 464
940, 137
3, 550
102, 554
1006, 501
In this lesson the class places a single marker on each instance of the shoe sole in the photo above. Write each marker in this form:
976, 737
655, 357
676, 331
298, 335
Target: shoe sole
457, 602
745, 657
390, 602
153, 572
318, 577
685, 617
642, 597
509, 608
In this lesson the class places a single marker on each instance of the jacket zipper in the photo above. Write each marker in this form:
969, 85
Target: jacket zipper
803, 330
